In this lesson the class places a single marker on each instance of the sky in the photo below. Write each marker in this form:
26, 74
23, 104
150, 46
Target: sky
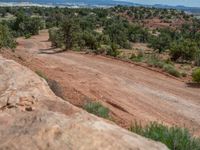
190, 3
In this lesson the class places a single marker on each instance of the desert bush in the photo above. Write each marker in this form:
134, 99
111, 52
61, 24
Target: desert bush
137, 58
155, 62
55, 37
54, 85
196, 75
171, 70
160, 43
183, 74
6, 38
197, 58
137, 34
56, 88
26, 25
90, 39
102, 49
69, 30
27, 36
112, 51
175, 138
97, 108
117, 31
183, 50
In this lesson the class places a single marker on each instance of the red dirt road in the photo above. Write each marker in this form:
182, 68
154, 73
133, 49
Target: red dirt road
130, 91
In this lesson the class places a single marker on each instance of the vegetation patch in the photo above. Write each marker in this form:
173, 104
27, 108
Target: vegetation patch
41, 74
154, 61
97, 108
6, 37
196, 75
165, 65
137, 58
174, 137
112, 51
56, 88
183, 74
54, 85
171, 70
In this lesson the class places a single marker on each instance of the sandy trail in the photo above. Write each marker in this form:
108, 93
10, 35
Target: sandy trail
130, 91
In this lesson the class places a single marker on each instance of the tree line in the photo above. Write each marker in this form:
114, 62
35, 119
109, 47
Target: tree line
107, 30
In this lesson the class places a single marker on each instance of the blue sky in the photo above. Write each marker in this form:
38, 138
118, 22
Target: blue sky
191, 3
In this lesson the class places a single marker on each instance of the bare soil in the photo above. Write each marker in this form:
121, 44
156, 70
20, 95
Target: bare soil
130, 91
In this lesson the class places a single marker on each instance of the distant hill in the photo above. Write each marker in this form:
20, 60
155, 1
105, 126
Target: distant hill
100, 3
184, 8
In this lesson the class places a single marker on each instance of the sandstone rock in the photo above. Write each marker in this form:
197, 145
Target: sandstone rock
32, 117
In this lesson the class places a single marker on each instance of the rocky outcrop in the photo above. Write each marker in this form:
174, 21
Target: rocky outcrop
32, 117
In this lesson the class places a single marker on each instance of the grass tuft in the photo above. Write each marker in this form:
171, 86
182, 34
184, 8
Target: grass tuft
137, 58
171, 70
97, 108
41, 74
154, 61
174, 137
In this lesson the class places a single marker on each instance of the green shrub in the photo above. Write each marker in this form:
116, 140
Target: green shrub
155, 62
160, 42
197, 58
41, 74
184, 50
24, 24
56, 88
196, 75
183, 74
55, 37
174, 137
113, 51
27, 36
103, 49
97, 108
171, 70
6, 38
137, 58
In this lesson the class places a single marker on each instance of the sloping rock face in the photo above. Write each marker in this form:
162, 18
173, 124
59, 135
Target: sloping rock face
33, 118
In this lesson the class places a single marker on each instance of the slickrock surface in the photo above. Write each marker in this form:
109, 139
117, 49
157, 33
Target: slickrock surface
33, 118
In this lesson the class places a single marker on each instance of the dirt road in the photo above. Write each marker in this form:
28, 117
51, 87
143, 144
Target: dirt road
130, 91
